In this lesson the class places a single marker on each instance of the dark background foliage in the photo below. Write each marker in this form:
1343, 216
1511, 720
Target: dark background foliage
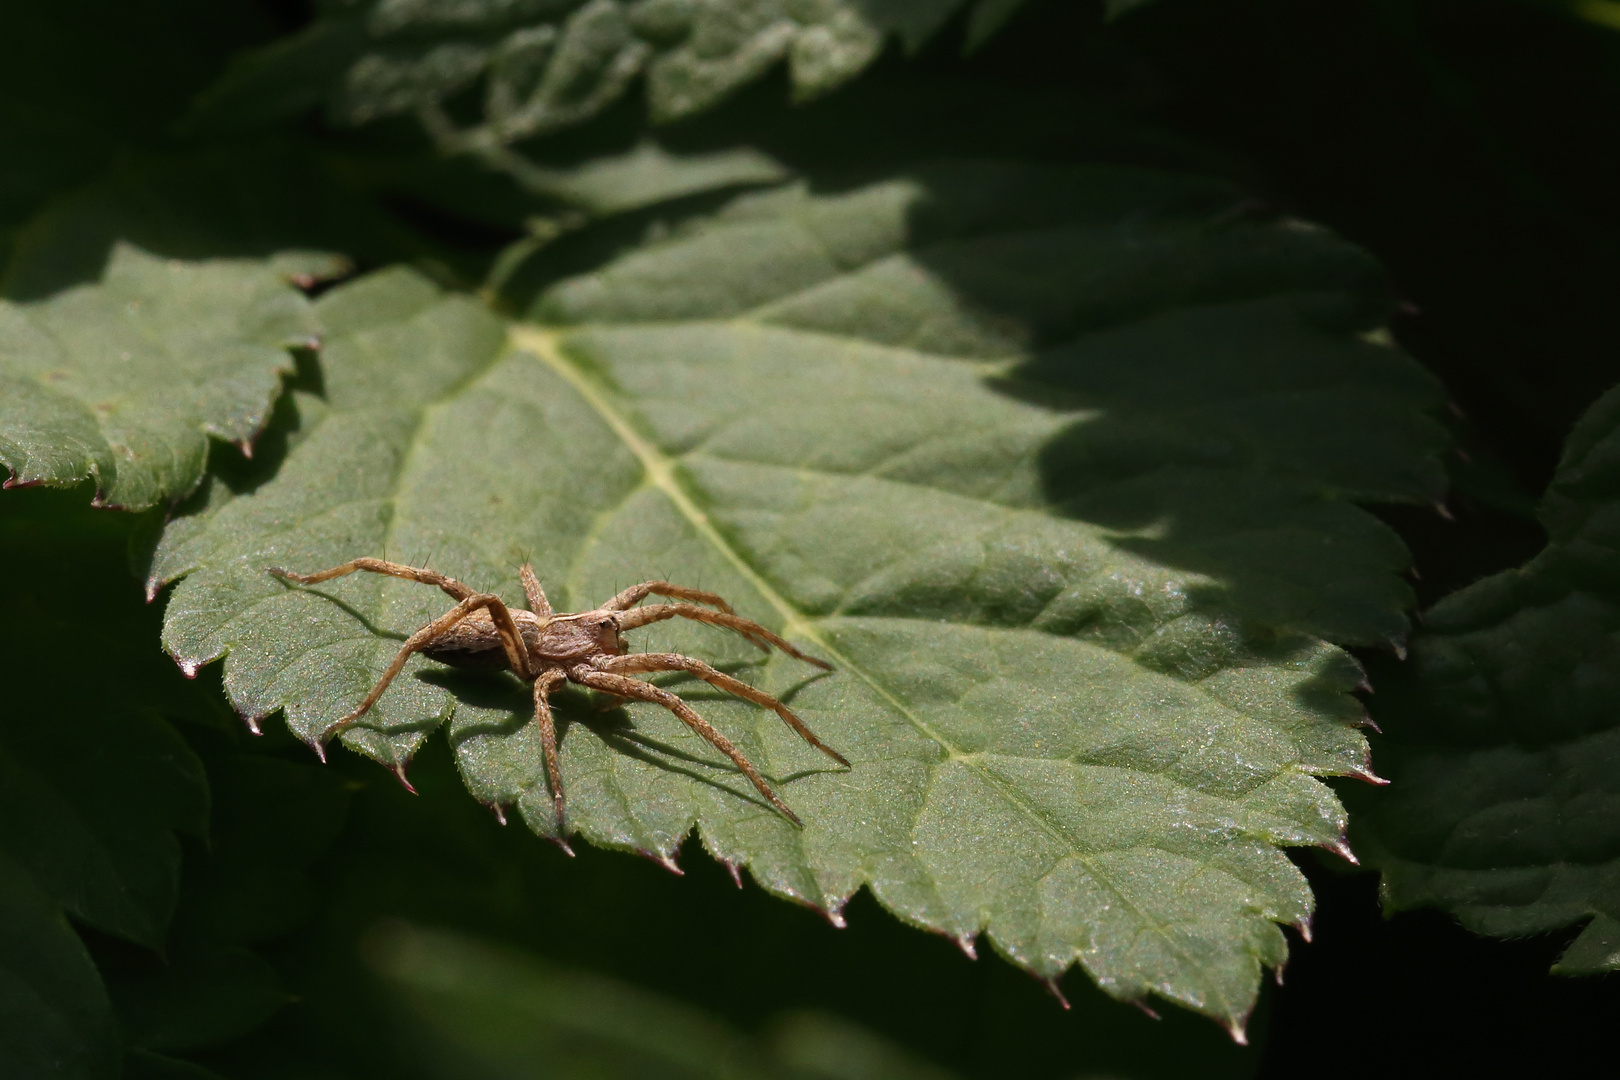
1469, 144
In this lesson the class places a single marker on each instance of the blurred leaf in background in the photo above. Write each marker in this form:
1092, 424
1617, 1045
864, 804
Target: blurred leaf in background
1501, 735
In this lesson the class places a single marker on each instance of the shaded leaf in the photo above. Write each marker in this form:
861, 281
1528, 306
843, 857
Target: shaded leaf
92, 791
543, 65
487, 1007
1054, 465
52, 1004
123, 382
1502, 739
198, 1000
522, 1017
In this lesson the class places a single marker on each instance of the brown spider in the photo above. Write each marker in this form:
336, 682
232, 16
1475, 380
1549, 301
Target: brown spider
547, 650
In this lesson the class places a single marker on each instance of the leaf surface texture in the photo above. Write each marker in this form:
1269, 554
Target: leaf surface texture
1056, 466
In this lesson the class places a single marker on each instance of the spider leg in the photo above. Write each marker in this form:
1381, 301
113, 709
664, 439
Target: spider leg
543, 686
635, 594
515, 654
645, 662
450, 585
532, 590
640, 691
746, 627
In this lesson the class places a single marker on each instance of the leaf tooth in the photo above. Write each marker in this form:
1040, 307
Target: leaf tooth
1365, 774
498, 810
1056, 991
399, 768
1236, 1027
734, 868
965, 942
666, 861
1140, 1003
1304, 928
1341, 848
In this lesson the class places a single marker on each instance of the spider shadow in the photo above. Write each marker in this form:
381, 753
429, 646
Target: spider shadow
501, 693
349, 609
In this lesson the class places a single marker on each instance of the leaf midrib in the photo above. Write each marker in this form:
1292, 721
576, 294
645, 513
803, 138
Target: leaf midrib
660, 470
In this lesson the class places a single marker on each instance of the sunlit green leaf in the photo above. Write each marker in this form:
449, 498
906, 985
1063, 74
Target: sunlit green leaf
124, 381
1055, 466
1502, 738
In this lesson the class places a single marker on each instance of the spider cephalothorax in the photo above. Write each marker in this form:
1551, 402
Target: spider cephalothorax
587, 647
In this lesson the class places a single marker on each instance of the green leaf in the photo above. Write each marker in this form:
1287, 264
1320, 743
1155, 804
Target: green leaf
52, 1005
89, 805
544, 65
518, 1016
479, 1008
123, 382
92, 790
1055, 465
1503, 744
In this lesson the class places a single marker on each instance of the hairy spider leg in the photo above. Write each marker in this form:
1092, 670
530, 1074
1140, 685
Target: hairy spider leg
535, 594
635, 594
456, 589
515, 654
749, 629
543, 686
647, 662
625, 686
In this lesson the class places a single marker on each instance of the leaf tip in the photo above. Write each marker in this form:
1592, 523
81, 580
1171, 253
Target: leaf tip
1304, 929
1341, 848
1056, 991
188, 666
319, 748
399, 771
1365, 774
666, 861
1235, 1028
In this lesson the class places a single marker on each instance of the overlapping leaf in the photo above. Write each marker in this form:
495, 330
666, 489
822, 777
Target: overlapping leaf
92, 791
1056, 466
1503, 735
548, 64
122, 382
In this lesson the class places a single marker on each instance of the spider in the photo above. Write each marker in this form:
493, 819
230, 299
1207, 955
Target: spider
586, 647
